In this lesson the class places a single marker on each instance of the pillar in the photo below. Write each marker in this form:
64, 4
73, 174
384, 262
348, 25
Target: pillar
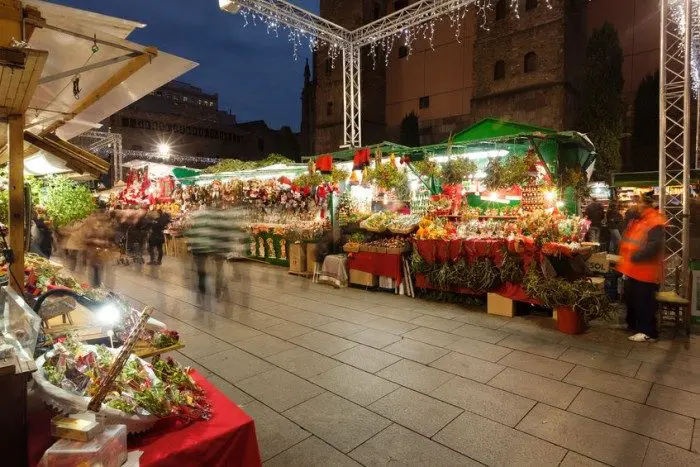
15, 142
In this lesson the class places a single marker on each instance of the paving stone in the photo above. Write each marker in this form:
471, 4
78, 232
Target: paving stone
522, 327
287, 330
662, 454
591, 438
235, 332
676, 359
235, 365
433, 322
391, 325
668, 376
264, 345
341, 328
480, 333
255, 319
416, 411
537, 364
675, 400
536, 387
399, 446
188, 362
479, 349
232, 392
648, 421
312, 452
494, 444
356, 385
303, 362
479, 318
201, 345
374, 338
696, 438
323, 343
431, 336
395, 313
279, 389
532, 345
573, 459
305, 318
601, 345
337, 421
415, 376
367, 358
609, 383
468, 367
414, 350
601, 361
490, 402
275, 433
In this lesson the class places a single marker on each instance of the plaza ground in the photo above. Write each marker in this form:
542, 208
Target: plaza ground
346, 376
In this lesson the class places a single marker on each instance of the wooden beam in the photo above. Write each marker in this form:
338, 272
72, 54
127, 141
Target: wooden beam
15, 142
134, 65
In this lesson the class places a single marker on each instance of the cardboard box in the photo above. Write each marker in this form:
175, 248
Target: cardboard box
363, 278
598, 263
498, 305
297, 258
311, 257
75, 429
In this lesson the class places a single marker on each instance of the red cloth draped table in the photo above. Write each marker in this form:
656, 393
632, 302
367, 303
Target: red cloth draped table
379, 264
226, 439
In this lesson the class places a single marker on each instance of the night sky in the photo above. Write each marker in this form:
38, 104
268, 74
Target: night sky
254, 73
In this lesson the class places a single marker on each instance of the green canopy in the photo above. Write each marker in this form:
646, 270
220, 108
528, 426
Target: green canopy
385, 146
493, 128
185, 173
645, 179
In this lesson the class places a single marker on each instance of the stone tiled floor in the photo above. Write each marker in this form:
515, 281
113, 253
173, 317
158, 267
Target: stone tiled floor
348, 377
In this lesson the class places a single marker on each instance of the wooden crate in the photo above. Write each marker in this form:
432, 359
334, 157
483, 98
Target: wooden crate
498, 305
297, 258
363, 278
311, 257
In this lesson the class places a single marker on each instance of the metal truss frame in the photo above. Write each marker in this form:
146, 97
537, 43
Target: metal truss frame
349, 42
106, 142
675, 136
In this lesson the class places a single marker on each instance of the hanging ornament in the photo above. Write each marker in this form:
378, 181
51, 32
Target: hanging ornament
95, 48
76, 87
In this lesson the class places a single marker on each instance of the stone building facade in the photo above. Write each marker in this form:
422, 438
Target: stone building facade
455, 82
190, 122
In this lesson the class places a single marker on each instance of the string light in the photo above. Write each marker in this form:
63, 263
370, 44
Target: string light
677, 15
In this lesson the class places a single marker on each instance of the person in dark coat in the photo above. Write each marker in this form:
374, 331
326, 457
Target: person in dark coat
157, 237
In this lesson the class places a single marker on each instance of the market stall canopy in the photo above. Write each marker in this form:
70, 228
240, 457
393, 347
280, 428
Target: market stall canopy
386, 147
74, 158
645, 179
91, 70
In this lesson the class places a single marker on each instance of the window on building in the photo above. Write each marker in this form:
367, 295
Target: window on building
185, 99
530, 62
329, 66
329, 108
403, 51
376, 10
424, 102
399, 4
530, 5
501, 9
499, 70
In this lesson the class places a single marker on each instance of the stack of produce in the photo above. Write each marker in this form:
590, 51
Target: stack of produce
393, 245
404, 224
378, 222
162, 389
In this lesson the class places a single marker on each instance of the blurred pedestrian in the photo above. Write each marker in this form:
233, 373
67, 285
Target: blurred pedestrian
157, 237
98, 240
210, 238
614, 221
595, 212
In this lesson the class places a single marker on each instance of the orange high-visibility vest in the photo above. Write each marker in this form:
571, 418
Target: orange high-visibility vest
635, 238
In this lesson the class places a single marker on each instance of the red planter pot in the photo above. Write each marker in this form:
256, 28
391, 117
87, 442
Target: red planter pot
569, 321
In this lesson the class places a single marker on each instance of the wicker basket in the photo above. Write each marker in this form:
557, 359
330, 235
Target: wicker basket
351, 247
403, 230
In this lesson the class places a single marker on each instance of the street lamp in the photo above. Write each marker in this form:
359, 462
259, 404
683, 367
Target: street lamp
164, 149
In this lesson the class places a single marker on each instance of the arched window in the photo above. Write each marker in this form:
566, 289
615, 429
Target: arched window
499, 70
530, 62
530, 5
501, 9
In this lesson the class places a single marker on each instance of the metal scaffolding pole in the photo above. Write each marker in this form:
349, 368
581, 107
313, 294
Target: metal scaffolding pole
674, 136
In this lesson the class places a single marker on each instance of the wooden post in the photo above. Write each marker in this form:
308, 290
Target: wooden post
15, 142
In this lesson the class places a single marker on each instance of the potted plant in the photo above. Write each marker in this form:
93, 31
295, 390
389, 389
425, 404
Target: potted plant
453, 173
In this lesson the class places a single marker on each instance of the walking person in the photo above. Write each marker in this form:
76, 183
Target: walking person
595, 212
614, 221
157, 237
641, 261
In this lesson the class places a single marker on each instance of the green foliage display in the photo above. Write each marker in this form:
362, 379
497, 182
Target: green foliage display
309, 180
236, 165
509, 171
645, 127
602, 109
65, 201
387, 177
455, 170
410, 131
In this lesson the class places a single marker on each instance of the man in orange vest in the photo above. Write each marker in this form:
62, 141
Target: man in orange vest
641, 261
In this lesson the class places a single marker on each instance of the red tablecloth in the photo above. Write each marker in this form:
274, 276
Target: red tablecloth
227, 439
379, 264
